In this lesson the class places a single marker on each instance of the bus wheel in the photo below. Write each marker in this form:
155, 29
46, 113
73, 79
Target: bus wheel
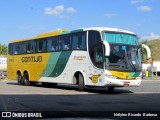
80, 83
110, 89
26, 79
19, 79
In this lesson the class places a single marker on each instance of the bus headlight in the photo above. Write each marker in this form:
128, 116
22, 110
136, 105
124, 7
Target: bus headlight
111, 76
138, 77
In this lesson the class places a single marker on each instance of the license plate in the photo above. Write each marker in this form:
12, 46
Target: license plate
126, 83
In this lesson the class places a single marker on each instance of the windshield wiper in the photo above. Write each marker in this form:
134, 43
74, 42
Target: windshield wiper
133, 66
129, 61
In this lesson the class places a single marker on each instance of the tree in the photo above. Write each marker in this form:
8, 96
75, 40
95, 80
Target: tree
3, 49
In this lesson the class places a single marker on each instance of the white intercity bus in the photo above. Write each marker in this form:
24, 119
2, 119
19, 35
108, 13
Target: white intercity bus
89, 57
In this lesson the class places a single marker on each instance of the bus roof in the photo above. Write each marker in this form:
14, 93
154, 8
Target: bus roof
61, 32
108, 29
43, 35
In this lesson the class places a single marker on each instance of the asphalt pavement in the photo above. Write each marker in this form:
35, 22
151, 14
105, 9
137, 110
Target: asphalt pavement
66, 101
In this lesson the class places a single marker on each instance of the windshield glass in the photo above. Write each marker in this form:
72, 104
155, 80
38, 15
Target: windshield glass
124, 58
124, 51
121, 38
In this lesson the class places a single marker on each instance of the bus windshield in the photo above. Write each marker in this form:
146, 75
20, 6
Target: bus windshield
124, 58
124, 52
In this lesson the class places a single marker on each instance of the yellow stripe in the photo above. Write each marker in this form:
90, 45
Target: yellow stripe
122, 75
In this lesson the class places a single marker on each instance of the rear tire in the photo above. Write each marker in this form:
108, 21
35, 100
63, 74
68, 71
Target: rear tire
80, 83
26, 79
19, 79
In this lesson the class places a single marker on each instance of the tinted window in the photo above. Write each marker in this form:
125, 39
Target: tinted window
79, 41
73, 41
93, 38
52, 44
10, 50
98, 56
65, 42
95, 48
41, 45
30, 47
19, 48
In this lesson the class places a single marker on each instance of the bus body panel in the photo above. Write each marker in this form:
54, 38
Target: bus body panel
78, 62
34, 64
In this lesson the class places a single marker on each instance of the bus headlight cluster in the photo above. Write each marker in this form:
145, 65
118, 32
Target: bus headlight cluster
111, 76
138, 77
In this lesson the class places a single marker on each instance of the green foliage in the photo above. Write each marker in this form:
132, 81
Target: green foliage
3, 49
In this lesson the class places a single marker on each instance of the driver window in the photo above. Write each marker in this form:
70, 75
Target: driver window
98, 56
95, 48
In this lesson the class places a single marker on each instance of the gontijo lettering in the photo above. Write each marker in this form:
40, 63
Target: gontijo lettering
32, 59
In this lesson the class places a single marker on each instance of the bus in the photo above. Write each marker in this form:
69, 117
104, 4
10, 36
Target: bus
87, 57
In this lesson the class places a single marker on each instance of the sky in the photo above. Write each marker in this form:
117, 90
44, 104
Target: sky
27, 18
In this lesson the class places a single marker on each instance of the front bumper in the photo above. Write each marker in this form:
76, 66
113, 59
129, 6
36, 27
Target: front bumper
121, 82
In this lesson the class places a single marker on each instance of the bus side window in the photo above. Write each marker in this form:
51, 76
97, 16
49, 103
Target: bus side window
55, 43
60, 44
52, 44
10, 50
75, 42
65, 42
16, 48
33, 47
79, 41
49, 44
82, 42
41, 45
30, 47
22, 48
94, 38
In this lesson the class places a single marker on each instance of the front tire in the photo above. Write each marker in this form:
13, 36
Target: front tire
80, 83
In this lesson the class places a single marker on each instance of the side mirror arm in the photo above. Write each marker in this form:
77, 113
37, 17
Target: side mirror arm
107, 48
